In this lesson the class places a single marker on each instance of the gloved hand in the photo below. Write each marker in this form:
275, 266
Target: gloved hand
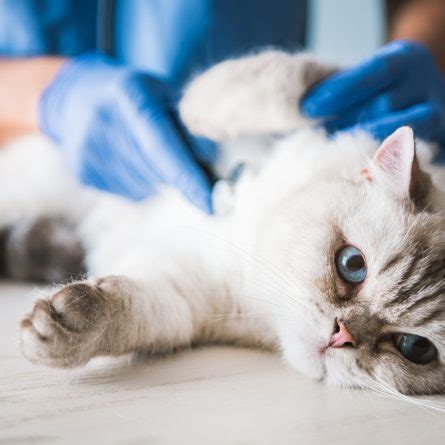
400, 85
118, 130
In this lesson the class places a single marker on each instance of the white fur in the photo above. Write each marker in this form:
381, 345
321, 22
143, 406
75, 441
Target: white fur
238, 271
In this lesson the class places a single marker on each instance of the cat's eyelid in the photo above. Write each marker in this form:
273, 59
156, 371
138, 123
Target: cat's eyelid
390, 334
397, 330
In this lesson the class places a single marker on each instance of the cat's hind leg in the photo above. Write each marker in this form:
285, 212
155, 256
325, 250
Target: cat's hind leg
41, 205
45, 248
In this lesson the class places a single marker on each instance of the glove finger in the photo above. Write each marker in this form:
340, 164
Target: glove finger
147, 106
395, 99
132, 153
372, 109
204, 149
109, 160
425, 119
360, 83
148, 109
164, 149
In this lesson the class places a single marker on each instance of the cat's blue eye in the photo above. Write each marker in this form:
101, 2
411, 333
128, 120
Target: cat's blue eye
351, 265
415, 348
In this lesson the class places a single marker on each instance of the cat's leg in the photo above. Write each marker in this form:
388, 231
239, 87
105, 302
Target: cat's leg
251, 96
116, 315
108, 316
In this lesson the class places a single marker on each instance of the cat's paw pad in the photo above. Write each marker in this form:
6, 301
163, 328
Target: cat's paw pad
65, 330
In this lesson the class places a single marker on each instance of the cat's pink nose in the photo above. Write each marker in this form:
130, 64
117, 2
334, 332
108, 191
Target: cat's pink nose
341, 337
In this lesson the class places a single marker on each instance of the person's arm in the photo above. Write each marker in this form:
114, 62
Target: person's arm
21, 84
421, 21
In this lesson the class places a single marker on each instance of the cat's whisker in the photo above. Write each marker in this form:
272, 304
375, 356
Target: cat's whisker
382, 387
222, 317
266, 267
291, 304
245, 315
238, 249
101, 159
250, 297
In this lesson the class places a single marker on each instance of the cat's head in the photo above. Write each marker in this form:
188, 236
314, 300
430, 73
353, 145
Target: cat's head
362, 299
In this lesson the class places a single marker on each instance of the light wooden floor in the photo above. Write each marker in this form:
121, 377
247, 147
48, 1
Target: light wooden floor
210, 396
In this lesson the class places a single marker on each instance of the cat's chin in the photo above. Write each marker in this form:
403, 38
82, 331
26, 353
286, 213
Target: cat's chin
331, 366
307, 359
341, 369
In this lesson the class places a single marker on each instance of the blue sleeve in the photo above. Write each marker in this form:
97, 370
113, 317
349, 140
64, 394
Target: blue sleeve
57, 27
174, 38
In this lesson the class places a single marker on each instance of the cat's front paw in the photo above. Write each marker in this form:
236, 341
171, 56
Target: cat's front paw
66, 329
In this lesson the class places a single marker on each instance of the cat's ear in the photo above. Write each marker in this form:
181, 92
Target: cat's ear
396, 160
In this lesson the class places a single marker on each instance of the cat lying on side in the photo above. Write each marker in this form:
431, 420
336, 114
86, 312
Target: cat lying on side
328, 250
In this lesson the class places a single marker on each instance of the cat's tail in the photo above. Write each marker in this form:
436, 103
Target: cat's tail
254, 95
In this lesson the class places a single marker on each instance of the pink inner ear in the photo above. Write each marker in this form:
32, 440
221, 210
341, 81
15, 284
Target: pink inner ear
396, 157
389, 156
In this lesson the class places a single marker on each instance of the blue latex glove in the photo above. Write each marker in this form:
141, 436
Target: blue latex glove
400, 85
118, 130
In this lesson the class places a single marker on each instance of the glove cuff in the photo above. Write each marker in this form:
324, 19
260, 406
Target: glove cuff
67, 101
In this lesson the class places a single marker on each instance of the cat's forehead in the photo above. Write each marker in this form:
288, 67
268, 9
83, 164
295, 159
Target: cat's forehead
384, 225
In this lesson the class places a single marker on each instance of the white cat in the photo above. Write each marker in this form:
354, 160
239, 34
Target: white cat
329, 251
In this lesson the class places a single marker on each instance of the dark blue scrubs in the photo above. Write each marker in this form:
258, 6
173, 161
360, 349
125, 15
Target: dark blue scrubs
168, 38
35, 27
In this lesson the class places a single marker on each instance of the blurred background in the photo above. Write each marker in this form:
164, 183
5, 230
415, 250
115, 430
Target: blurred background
346, 30
105, 50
